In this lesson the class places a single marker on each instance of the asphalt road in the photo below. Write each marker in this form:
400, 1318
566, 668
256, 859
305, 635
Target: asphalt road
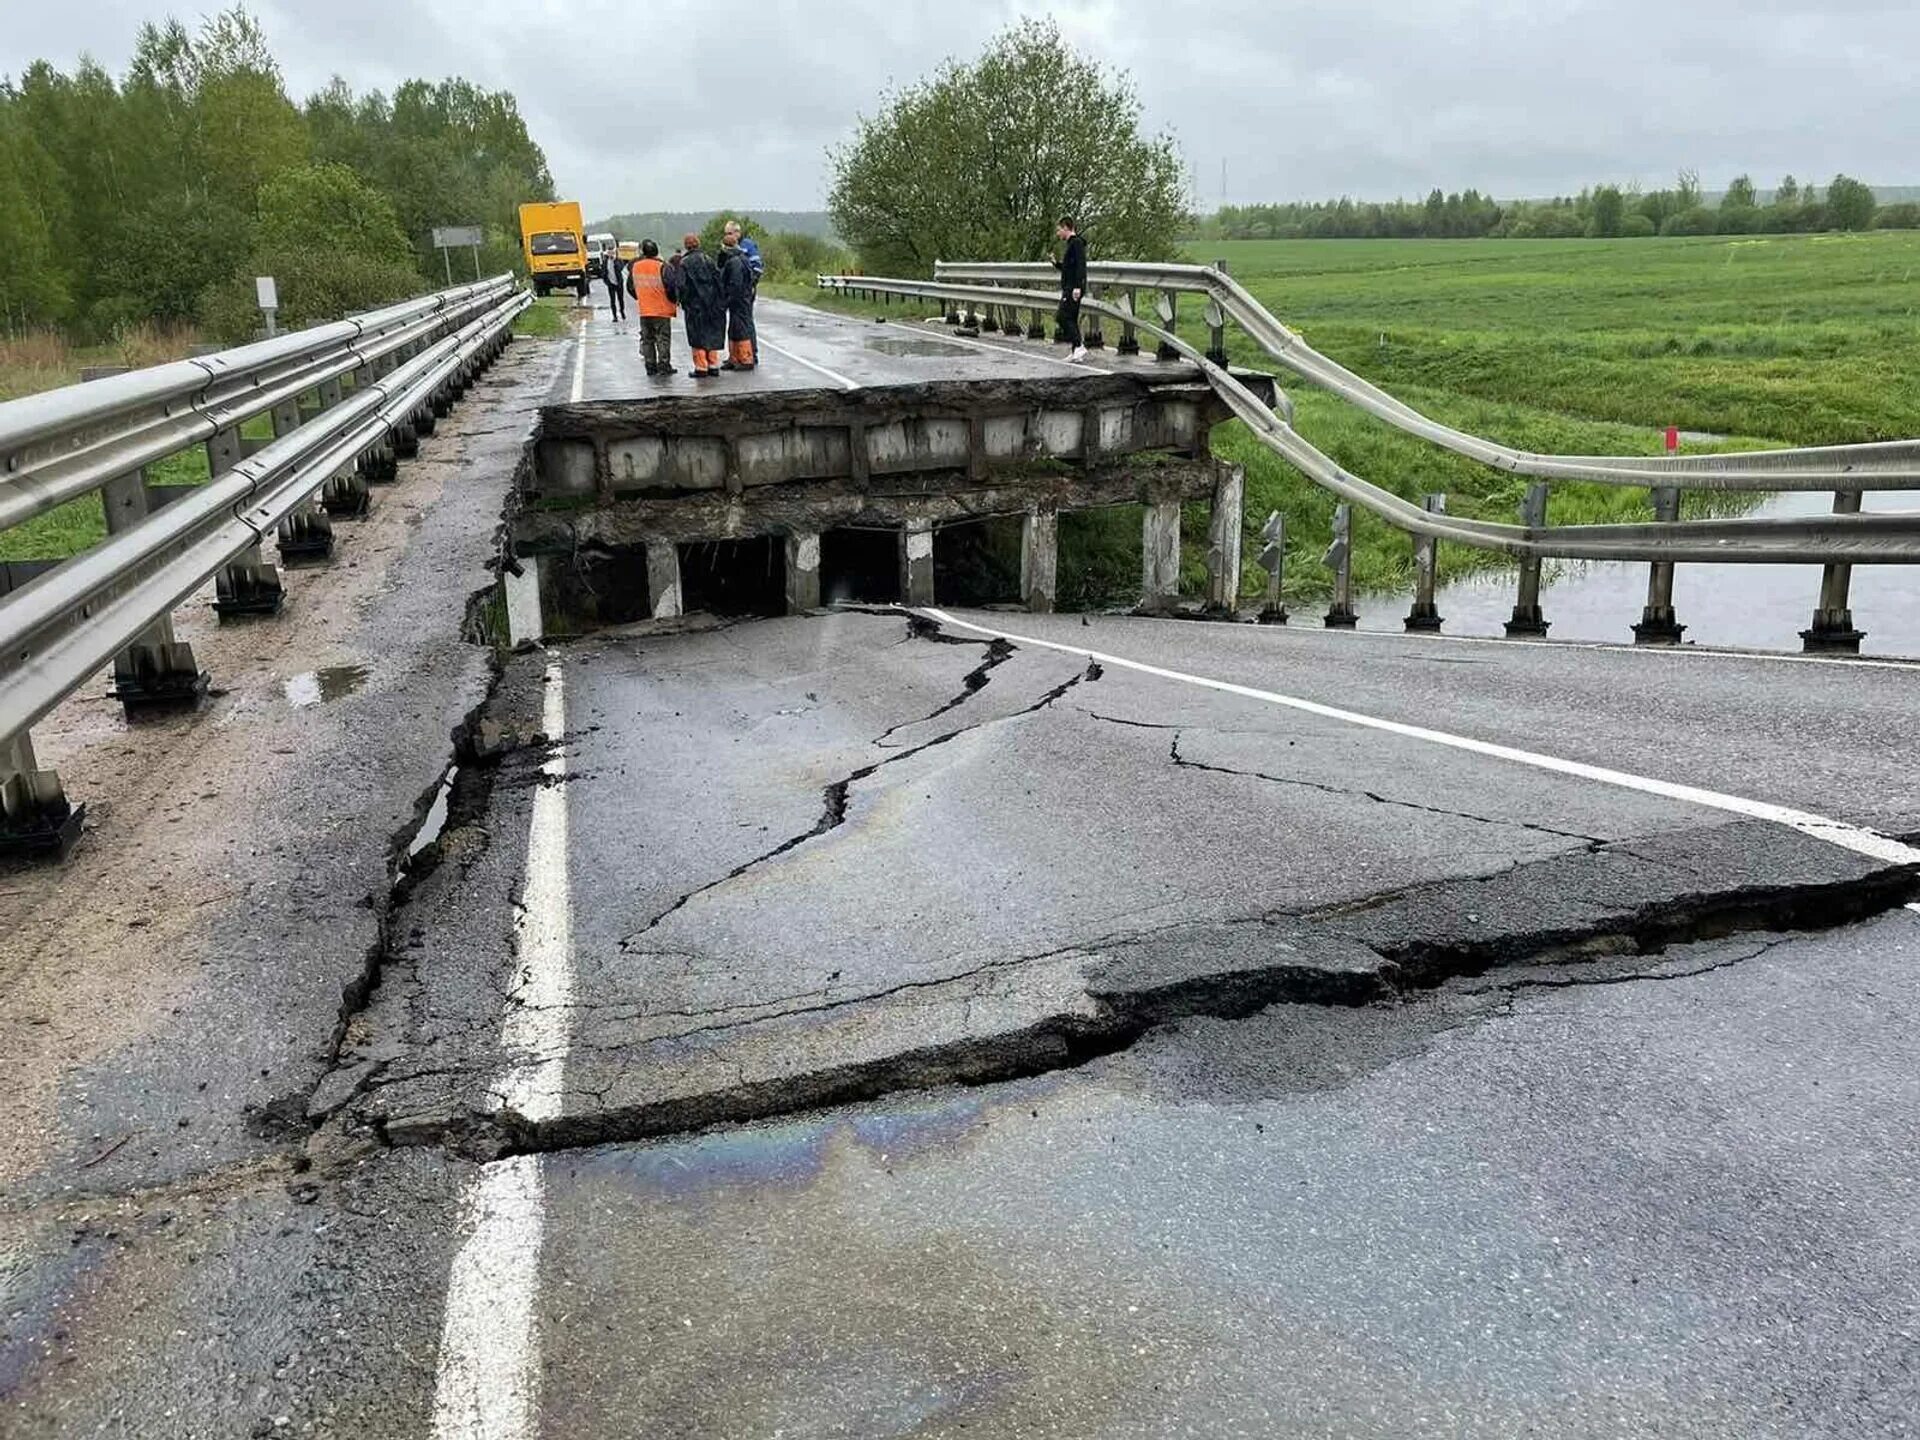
847, 1026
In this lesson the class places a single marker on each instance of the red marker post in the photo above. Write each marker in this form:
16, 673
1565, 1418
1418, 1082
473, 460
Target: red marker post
1673, 438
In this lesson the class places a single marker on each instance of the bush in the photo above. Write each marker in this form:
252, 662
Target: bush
314, 286
1903, 216
1698, 220
1739, 219
1638, 227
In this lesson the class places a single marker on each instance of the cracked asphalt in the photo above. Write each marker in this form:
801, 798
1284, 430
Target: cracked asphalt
855, 1025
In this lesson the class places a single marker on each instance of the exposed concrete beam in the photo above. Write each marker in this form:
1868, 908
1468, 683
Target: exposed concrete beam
1040, 560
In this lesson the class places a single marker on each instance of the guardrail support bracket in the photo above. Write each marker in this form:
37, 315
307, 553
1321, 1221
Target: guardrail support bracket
306, 535
1832, 631
346, 497
1424, 617
157, 675
1658, 624
249, 586
36, 820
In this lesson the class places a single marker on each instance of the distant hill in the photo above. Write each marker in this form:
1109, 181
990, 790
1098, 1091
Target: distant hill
662, 225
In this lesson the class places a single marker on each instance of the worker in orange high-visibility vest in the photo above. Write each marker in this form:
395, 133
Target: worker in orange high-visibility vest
657, 311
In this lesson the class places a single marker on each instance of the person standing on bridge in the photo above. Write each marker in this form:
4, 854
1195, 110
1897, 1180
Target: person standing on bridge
1072, 266
646, 278
702, 296
611, 277
736, 271
733, 234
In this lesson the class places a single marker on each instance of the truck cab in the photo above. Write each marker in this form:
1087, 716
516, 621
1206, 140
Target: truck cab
554, 244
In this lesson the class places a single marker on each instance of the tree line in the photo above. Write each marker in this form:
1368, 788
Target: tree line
1600, 212
158, 197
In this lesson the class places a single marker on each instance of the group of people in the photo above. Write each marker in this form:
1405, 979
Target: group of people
714, 295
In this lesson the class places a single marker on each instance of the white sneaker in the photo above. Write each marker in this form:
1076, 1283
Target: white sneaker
1077, 355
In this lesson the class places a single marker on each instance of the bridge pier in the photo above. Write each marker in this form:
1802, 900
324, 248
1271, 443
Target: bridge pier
1040, 560
663, 579
1527, 619
1223, 540
1832, 631
803, 571
36, 820
1160, 557
916, 563
1658, 624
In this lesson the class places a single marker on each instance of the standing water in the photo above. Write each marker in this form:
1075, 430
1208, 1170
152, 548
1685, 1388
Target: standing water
1758, 607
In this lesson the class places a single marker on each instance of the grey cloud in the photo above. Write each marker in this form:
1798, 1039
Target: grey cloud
689, 106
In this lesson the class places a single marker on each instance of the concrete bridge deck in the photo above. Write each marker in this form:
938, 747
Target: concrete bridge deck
845, 1023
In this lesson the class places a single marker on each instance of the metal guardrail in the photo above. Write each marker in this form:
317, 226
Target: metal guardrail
378, 380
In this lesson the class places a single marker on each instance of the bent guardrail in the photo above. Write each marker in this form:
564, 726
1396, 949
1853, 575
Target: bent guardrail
1837, 541
376, 383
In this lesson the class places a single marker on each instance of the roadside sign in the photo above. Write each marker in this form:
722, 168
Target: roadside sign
269, 296
449, 237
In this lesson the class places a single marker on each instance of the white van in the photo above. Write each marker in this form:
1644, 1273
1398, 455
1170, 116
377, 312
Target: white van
598, 245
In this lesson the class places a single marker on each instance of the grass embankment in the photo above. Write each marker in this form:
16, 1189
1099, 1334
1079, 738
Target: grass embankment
1559, 346
545, 319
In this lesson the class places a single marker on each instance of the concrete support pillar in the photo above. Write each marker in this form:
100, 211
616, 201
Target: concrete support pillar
1223, 539
1832, 631
1040, 560
1658, 625
1340, 613
525, 620
1425, 615
916, 563
36, 821
663, 579
803, 571
1527, 619
1160, 557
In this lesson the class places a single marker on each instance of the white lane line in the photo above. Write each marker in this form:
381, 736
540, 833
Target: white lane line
842, 381
993, 348
1856, 838
580, 364
535, 1030
487, 1377
1612, 647
487, 1384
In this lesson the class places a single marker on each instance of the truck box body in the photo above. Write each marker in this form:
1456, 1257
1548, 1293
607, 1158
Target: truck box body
553, 239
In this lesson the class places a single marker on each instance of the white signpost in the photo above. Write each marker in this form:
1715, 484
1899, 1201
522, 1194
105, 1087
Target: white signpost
446, 237
269, 297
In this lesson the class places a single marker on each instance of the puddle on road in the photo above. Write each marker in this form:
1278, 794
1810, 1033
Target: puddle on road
918, 347
322, 687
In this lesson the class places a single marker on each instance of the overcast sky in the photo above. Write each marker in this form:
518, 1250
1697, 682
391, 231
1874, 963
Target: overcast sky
645, 106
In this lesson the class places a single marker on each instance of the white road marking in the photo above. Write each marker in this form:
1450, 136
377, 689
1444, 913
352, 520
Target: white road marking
1008, 348
535, 1029
487, 1384
842, 381
487, 1378
1856, 838
580, 364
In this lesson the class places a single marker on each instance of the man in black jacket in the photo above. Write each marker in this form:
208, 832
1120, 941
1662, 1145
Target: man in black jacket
1072, 266
702, 296
613, 275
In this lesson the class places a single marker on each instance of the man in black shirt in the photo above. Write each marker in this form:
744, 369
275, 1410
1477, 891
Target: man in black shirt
1072, 266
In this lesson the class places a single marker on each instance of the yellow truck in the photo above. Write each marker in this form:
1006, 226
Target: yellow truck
553, 237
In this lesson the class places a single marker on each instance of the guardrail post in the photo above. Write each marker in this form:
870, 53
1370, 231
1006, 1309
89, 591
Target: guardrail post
1832, 631
1217, 325
1037, 330
916, 563
1010, 325
155, 670
1040, 560
1160, 556
1273, 558
1090, 333
663, 579
803, 571
1167, 305
1129, 340
36, 820
1658, 626
1527, 619
1224, 538
1425, 615
1340, 613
